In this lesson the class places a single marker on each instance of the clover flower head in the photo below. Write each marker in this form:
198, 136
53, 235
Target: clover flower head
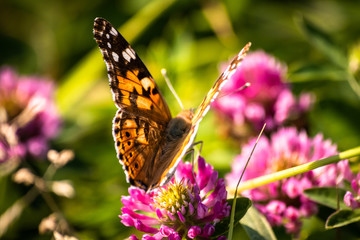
268, 99
27, 103
283, 202
186, 207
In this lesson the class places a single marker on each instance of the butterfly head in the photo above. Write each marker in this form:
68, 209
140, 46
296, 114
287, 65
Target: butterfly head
187, 115
179, 126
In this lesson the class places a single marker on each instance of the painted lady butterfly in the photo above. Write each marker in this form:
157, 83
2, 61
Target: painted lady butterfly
148, 141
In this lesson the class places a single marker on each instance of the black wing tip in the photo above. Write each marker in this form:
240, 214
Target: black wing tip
102, 27
100, 20
100, 24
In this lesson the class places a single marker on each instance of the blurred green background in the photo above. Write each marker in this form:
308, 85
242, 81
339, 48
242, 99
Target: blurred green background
190, 39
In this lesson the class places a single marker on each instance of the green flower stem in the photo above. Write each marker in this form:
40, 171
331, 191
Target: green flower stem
263, 180
85, 74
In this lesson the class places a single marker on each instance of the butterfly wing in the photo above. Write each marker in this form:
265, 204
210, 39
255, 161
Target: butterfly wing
134, 89
137, 143
214, 91
140, 123
201, 111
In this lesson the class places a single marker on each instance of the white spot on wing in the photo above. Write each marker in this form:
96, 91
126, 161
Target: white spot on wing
146, 82
226, 74
130, 52
222, 84
126, 56
233, 66
215, 95
107, 36
109, 45
113, 31
115, 56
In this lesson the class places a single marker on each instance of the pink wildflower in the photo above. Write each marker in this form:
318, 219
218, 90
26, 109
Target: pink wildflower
283, 202
181, 208
268, 99
28, 105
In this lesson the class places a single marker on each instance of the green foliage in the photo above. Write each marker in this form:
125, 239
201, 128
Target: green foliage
327, 196
242, 206
256, 225
342, 218
333, 198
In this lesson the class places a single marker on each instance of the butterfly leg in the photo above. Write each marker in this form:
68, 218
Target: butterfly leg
192, 154
198, 143
191, 151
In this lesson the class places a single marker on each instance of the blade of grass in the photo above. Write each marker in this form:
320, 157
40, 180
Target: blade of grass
233, 207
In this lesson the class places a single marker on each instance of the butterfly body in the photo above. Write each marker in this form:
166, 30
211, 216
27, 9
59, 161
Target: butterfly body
148, 141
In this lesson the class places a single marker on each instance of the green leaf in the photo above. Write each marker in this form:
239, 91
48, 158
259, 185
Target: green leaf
256, 225
322, 41
342, 218
242, 205
327, 196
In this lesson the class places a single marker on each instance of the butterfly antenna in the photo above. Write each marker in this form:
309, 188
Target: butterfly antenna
246, 85
163, 72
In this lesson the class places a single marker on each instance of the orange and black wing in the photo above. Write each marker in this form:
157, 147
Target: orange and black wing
134, 89
140, 123
137, 143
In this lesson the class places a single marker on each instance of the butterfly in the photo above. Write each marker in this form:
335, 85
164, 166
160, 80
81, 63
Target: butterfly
149, 142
